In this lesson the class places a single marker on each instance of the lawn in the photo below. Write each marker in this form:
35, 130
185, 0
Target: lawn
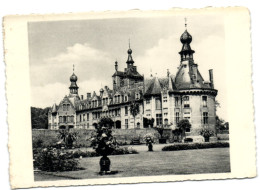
214, 160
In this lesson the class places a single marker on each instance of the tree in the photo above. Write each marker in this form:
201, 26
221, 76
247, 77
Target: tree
107, 122
134, 110
68, 137
183, 125
104, 143
39, 118
206, 133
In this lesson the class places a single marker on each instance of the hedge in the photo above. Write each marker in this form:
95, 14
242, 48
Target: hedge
185, 146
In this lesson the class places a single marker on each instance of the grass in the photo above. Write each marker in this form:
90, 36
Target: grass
145, 163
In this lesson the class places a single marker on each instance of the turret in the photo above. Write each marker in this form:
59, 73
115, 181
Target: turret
73, 85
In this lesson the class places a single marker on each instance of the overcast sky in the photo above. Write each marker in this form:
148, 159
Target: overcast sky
94, 45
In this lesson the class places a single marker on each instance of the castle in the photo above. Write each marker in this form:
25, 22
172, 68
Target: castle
167, 100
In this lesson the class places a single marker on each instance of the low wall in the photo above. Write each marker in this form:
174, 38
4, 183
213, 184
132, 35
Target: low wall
45, 137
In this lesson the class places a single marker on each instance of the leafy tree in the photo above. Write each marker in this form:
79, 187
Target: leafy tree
39, 118
160, 129
183, 125
206, 133
107, 122
68, 137
134, 110
221, 124
148, 122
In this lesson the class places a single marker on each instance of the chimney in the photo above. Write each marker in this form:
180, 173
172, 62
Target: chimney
211, 78
88, 95
82, 97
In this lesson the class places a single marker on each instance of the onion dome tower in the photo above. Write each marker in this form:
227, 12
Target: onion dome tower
73, 86
186, 51
130, 61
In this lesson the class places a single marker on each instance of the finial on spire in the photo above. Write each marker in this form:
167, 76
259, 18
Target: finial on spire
129, 43
168, 73
185, 22
73, 68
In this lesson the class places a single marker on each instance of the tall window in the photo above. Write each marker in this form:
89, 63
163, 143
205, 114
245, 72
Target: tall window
204, 101
177, 102
158, 104
84, 117
60, 119
177, 117
80, 118
87, 116
126, 110
158, 119
126, 123
205, 118
186, 101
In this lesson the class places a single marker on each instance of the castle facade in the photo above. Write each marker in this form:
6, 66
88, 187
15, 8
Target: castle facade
161, 101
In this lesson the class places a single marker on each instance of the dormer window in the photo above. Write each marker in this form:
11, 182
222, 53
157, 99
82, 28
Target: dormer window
125, 98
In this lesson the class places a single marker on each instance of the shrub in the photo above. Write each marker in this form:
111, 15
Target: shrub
206, 133
117, 151
177, 147
187, 140
52, 160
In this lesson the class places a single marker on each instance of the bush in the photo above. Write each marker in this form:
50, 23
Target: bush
117, 151
177, 147
52, 160
187, 140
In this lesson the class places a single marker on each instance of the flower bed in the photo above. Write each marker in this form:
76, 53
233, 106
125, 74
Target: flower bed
117, 151
189, 146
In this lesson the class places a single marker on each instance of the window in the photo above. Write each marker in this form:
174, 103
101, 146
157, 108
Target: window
148, 101
66, 107
125, 98
165, 99
79, 118
137, 96
60, 119
205, 118
177, 117
87, 125
126, 110
83, 117
177, 103
186, 101
126, 123
165, 114
204, 101
158, 104
87, 116
158, 119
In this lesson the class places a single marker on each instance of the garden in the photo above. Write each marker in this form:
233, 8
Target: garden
62, 156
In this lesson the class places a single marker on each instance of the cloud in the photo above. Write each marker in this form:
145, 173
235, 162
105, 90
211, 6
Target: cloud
161, 57
210, 54
87, 60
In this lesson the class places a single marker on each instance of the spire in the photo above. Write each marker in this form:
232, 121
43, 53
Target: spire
116, 65
130, 60
186, 51
73, 85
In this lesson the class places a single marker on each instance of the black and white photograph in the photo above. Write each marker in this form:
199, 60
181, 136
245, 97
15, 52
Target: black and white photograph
128, 97
136, 96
